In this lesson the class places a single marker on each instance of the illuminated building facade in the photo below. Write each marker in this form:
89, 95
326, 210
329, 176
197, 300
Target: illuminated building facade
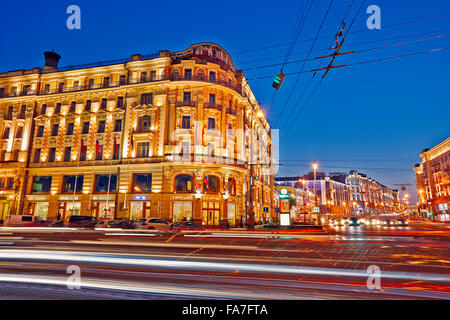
172, 135
433, 181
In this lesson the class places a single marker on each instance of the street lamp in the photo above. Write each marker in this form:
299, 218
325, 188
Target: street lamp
315, 166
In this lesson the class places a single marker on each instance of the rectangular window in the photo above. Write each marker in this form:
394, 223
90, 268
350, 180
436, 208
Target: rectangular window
187, 96
44, 109
10, 111
52, 155
104, 103
123, 79
72, 184
147, 98
118, 125
91, 83
40, 132
119, 102
83, 153
67, 153
13, 91
55, 130
211, 123
2, 92
16, 155
101, 126
116, 154
6, 133
187, 74
76, 84
143, 76
153, 75
70, 127
58, 108
106, 82
42, 183
212, 98
61, 87
186, 122
142, 182
19, 132
88, 105
26, 89
99, 153
210, 149
101, 183
37, 155
142, 149
47, 88
85, 127
23, 111
185, 148
212, 76
73, 106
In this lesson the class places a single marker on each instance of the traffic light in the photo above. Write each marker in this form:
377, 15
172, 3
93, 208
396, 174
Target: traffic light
278, 80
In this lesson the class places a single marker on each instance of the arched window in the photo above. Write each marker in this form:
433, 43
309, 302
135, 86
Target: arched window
144, 123
232, 186
201, 74
184, 183
211, 184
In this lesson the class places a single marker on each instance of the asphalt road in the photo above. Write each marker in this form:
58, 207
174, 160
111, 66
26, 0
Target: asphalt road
414, 263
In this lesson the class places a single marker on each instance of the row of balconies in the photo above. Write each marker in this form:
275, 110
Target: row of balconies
83, 87
205, 105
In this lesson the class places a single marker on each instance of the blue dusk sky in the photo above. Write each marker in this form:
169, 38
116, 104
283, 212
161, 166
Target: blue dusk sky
375, 117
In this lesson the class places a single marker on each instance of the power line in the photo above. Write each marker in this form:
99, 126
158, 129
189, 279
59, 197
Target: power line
356, 31
303, 66
361, 62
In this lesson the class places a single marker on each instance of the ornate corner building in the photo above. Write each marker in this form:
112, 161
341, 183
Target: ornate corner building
433, 181
172, 135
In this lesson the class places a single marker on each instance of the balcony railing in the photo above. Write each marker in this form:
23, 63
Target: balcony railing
84, 87
231, 111
213, 105
142, 130
186, 104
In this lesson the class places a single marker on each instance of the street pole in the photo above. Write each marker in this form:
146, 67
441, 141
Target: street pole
315, 189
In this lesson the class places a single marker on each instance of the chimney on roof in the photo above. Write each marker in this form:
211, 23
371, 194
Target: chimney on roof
51, 60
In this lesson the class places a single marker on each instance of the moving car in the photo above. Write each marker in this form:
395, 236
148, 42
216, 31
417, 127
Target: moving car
353, 221
401, 222
185, 225
155, 224
82, 222
124, 224
373, 221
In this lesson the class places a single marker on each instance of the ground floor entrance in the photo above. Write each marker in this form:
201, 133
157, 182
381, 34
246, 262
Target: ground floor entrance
4, 209
39, 209
182, 210
139, 210
103, 210
210, 213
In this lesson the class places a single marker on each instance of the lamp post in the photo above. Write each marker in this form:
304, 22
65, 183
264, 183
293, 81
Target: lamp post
315, 166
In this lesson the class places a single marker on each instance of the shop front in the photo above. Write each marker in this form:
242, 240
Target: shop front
69, 206
38, 206
5, 204
103, 206
140, 207
182, 210
210, 213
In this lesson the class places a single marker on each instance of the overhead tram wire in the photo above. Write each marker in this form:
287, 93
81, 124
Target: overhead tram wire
361, 62
303, 66
321, 79
356, 31
353, 51
352, 44
299, 28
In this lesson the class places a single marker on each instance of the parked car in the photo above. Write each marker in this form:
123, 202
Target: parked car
124, 224
23, 221
353, 221
81, 222
185, 225
155, 224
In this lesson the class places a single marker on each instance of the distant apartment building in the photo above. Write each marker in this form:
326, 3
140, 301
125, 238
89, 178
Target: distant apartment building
433, 181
